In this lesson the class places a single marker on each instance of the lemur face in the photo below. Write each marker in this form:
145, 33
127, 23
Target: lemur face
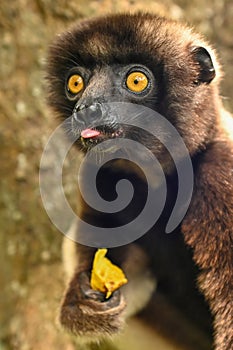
134, 59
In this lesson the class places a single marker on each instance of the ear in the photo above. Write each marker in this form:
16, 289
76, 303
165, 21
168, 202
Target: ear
203, 59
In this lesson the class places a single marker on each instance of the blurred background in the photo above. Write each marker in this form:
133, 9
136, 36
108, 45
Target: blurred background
31, 275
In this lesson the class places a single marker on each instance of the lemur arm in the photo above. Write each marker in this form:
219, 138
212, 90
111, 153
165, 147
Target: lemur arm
208, 229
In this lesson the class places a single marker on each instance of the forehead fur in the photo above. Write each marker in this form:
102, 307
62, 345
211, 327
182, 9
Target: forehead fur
157, 42
124, 37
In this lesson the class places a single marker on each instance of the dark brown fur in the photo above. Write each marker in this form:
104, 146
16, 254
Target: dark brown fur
188, 98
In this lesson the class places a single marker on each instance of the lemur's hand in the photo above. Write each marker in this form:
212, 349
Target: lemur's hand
87, 313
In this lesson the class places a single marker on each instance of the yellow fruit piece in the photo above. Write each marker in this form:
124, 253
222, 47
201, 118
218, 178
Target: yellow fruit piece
105, 276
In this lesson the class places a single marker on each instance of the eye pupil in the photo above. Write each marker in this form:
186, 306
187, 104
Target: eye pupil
136, 81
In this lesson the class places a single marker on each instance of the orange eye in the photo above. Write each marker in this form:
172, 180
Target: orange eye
137, 81
75, 84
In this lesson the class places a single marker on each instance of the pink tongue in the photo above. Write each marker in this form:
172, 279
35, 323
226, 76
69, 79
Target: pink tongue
88, 133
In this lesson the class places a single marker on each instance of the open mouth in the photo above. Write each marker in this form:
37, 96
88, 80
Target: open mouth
93, 136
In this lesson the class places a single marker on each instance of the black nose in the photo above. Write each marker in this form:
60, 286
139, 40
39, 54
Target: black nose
80, 107
92, 107
87, 114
